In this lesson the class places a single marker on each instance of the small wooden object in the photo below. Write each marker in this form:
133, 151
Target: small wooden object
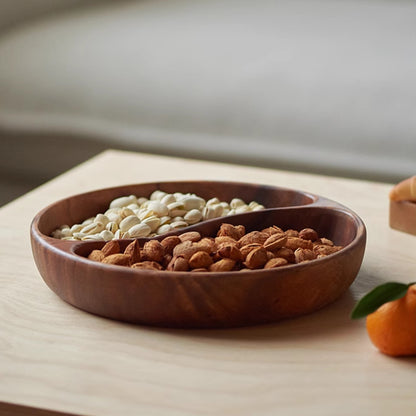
403, 206
403, 216
198, 299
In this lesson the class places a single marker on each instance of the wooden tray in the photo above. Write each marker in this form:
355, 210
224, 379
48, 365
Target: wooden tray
202, 300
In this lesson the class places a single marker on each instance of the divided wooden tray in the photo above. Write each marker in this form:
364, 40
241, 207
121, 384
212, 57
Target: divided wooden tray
202, 300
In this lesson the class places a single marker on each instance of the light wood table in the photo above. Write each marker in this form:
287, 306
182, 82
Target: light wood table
57, 358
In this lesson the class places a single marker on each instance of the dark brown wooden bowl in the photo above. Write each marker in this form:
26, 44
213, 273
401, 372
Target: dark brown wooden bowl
202, 300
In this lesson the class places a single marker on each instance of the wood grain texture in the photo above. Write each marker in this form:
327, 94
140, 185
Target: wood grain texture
202, 300
56, 357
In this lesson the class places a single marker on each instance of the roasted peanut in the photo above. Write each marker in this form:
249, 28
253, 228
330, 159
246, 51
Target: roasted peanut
185, 249
275, 241
257, 258
247, 248
276, 262
292, 233
133, 250
153, 251
169, 243
325, 241
325, 250
230, 251
147, 265
96, 255
274, 229
286, 253
224, 239
223, 265
199, 260
206, 244
296, 242
253, 237
269, 248
112, 247
190, 236
304, 254
117, 259
178, 264
233, 231
308, 234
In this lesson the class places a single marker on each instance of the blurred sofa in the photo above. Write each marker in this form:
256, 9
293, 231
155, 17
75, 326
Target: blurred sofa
311, 85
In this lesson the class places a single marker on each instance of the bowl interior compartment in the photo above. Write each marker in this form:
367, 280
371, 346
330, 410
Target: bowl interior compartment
77, 208
336, 224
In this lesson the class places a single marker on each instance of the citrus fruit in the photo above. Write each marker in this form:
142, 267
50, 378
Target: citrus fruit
392, 327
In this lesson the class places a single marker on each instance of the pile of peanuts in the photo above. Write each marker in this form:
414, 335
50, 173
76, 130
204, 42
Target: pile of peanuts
133, 217
231, 250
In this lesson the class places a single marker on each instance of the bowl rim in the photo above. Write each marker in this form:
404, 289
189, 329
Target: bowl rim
51, 243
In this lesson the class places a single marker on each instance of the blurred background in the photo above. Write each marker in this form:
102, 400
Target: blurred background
320, 86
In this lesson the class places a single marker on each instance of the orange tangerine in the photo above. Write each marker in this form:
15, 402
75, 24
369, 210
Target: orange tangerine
392, 327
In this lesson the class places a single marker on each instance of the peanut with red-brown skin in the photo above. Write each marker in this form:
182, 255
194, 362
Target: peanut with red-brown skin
253, 237
224, 239
275, 242
200, 260
257, 258
308, 234
153, 251
169, 243
96, 255
185, 249
133, 250
147, 265
272, 230
233, 231
166, 260
276, 262
296, 242
326, 242
286, 253
117, 259
266, 249
247, 248
223, 265
292, 233
206, 244
178, 264
230, 251
270, 255
112, 247
304, 254
193, 236
325, 250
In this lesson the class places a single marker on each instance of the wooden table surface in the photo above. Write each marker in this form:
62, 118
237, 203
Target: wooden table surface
55, 358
